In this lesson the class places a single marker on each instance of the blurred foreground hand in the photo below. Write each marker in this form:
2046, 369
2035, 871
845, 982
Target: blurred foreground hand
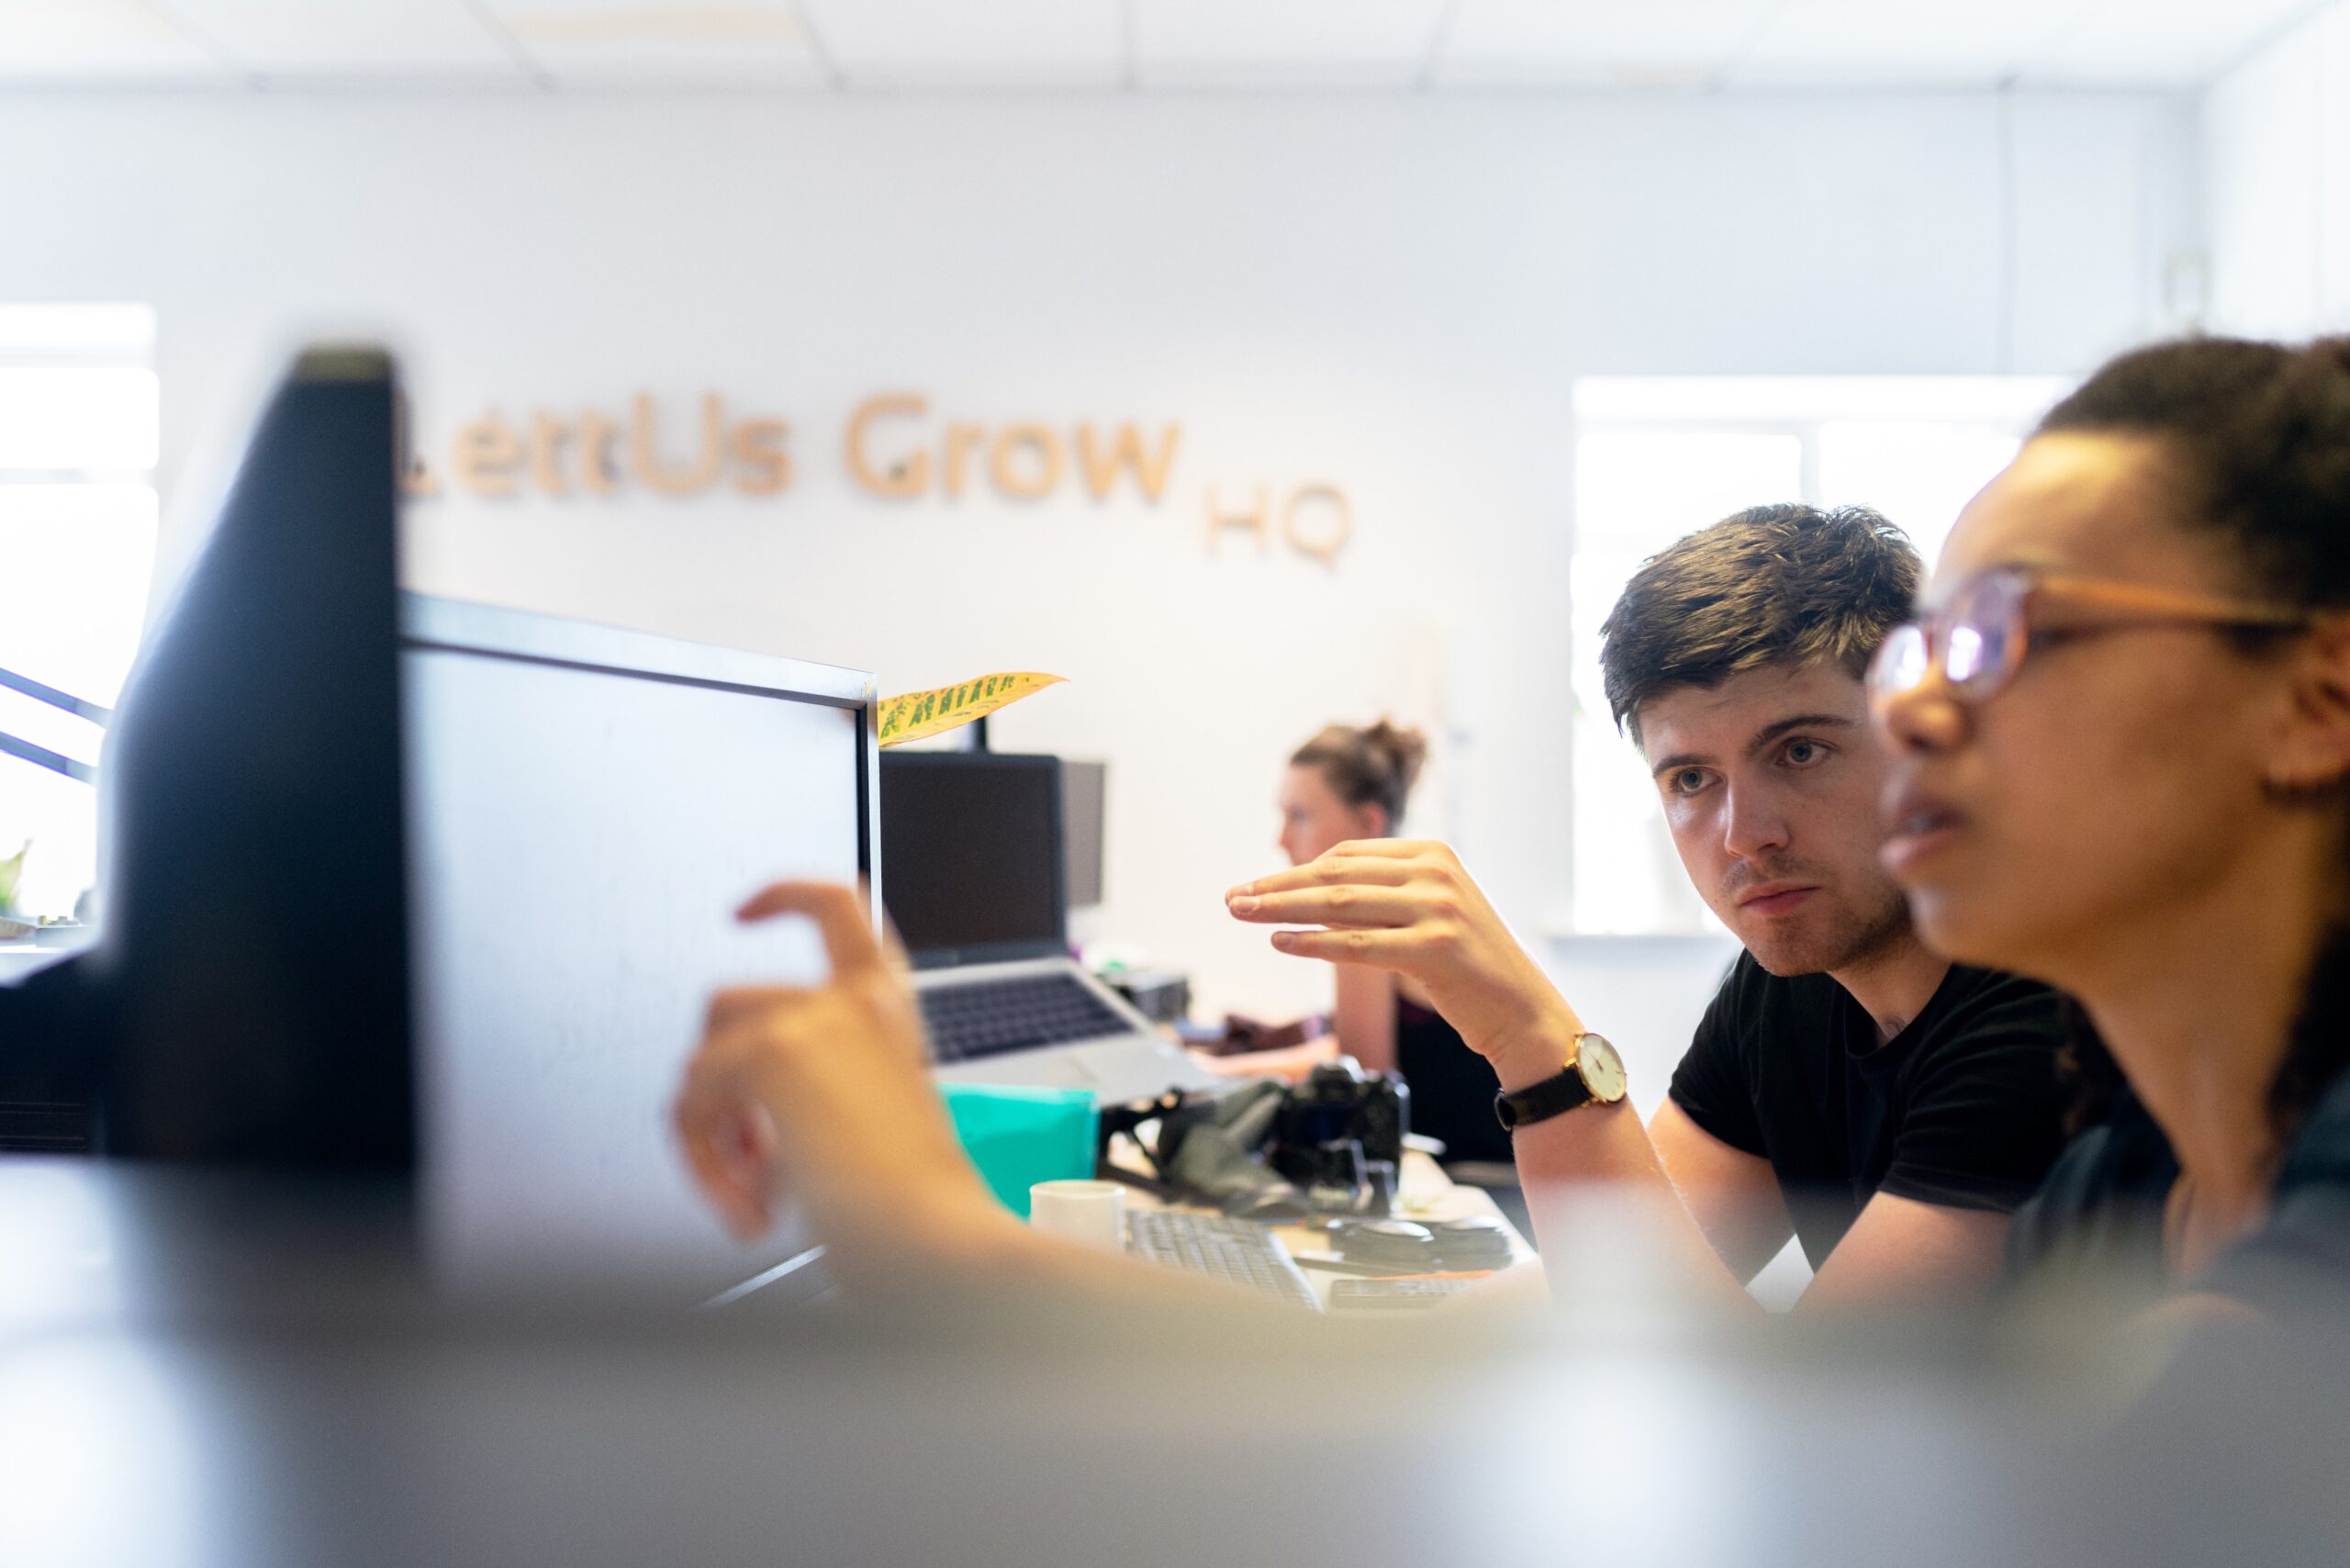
821, 1096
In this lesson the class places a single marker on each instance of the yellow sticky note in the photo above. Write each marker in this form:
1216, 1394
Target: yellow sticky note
920, 714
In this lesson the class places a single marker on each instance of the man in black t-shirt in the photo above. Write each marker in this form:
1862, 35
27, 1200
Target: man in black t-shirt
1958, 1110
1847, 1086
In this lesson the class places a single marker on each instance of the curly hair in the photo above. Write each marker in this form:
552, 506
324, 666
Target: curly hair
2257, 439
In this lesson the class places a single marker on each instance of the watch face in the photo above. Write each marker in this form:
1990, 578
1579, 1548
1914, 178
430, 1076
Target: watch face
1602, 1068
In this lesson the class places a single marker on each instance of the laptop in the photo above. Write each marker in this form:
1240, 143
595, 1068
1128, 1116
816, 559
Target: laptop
974, 877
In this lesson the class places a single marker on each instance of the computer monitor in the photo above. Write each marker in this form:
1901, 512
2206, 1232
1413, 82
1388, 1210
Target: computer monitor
1085, 789
587, 807
976, 863
247, 1003
388, 876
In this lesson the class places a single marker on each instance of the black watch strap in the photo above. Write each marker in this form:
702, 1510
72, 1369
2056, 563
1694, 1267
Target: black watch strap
1540, 1101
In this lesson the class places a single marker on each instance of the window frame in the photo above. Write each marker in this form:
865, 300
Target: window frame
75, 338
1803, 407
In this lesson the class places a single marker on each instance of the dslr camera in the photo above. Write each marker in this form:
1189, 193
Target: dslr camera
1332, 1130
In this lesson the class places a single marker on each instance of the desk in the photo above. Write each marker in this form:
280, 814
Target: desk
1424, 1192
240, 1428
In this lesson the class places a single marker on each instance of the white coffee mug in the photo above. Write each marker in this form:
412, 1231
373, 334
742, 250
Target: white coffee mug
1090, 1213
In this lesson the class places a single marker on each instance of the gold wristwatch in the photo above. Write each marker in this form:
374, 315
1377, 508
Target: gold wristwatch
1594, 1076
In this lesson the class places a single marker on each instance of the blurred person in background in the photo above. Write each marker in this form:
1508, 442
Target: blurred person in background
1354, 783
2122, 728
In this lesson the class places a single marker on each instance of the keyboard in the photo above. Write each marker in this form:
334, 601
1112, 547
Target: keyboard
1019, 1013
1237, 1251
1388, 1295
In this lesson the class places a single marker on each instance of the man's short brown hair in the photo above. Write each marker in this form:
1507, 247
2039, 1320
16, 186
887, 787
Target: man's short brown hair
1775, 584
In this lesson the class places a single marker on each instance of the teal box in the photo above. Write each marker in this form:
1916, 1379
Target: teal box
1020, 1137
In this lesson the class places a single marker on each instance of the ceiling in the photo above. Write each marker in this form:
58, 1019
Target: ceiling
1147, 45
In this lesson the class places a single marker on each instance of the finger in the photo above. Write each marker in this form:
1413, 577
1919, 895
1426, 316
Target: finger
841, 913
738, 1002
1382, 949
1380, 849
712, 1135
1372, 870
893, 948
1350, 905
739, 1148
751, 1152
742, 1060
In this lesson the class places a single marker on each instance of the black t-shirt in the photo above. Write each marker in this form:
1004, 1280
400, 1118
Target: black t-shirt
2096, 1223
1452, 1086
1961, 1109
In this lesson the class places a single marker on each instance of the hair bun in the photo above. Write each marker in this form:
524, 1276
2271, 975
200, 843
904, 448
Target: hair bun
1375, 765
1406, 745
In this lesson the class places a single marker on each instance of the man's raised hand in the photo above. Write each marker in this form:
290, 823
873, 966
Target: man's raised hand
1410, 907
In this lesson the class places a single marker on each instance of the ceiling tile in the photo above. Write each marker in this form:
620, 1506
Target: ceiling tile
1953, 43
290, 40
1536, 42
1185, 43
977, 43
99, 40
652, 42
2172, 43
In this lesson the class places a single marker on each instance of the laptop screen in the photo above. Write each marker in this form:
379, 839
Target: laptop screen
971, 867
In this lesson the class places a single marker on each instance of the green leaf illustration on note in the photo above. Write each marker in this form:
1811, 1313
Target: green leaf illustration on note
918, 715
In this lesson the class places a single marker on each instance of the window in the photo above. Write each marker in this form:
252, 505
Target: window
79, 417
1656, 456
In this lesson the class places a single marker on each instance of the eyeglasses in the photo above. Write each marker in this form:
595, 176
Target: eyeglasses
1979, 636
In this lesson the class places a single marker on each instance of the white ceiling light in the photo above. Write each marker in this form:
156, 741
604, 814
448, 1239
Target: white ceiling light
44, 40
1012, 45
1248, 43
1594, 42
292, 39
2157, 43
964, 43
655, 41
1978, 43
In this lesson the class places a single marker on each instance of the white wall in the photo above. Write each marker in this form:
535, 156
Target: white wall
1390, 293
2276, 168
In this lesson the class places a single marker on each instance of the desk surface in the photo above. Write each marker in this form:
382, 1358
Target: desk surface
1425, 1192
260, 1432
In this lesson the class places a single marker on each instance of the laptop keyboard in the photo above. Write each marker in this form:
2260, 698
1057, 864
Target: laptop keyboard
988, 1018
1237, 1251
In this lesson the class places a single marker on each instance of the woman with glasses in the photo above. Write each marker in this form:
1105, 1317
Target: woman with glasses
2123, 735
